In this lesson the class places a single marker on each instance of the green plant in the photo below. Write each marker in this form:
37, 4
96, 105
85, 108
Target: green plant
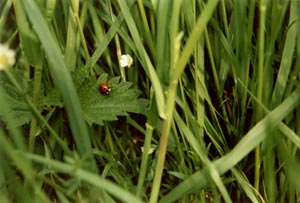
207, 112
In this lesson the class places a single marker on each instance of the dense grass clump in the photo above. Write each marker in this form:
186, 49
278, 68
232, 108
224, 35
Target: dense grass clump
202, 105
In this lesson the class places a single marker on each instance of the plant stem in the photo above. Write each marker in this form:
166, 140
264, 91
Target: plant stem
36, 93
259, 111
163, 142
175, 76
118, 46
144, 164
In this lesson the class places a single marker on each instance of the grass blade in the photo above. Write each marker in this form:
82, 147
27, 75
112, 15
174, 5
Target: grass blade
199, 179
63, 81
88, 177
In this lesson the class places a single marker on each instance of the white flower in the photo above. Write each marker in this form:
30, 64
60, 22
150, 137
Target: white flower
126, 60
7, 57
151, 149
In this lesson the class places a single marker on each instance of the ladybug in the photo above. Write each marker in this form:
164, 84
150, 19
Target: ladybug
104, 88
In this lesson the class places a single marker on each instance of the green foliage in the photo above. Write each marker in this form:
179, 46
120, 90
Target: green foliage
19, 109
98, 107
208, 111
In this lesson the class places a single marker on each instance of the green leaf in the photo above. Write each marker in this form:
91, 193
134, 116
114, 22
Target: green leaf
63, 81
99, 107
19, 109
51, 99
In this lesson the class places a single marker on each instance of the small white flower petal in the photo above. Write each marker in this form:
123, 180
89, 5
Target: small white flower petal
126, 61
7, 57
150, 151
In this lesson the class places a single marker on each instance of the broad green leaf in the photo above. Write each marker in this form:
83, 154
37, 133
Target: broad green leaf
99, 107
20, 110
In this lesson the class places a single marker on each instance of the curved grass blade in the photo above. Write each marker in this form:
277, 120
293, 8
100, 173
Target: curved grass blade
64, 83
144, 58
256, 135
88, 177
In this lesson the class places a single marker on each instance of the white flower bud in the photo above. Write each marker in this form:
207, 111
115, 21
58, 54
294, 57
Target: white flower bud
126, 61
7, 57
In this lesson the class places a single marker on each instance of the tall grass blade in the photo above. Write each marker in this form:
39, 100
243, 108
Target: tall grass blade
257, 134
64, 83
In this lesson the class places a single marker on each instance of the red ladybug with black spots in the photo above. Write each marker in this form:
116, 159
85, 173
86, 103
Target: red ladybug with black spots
104, 88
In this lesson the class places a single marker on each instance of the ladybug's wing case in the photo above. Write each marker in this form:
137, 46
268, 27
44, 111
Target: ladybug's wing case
104, 88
